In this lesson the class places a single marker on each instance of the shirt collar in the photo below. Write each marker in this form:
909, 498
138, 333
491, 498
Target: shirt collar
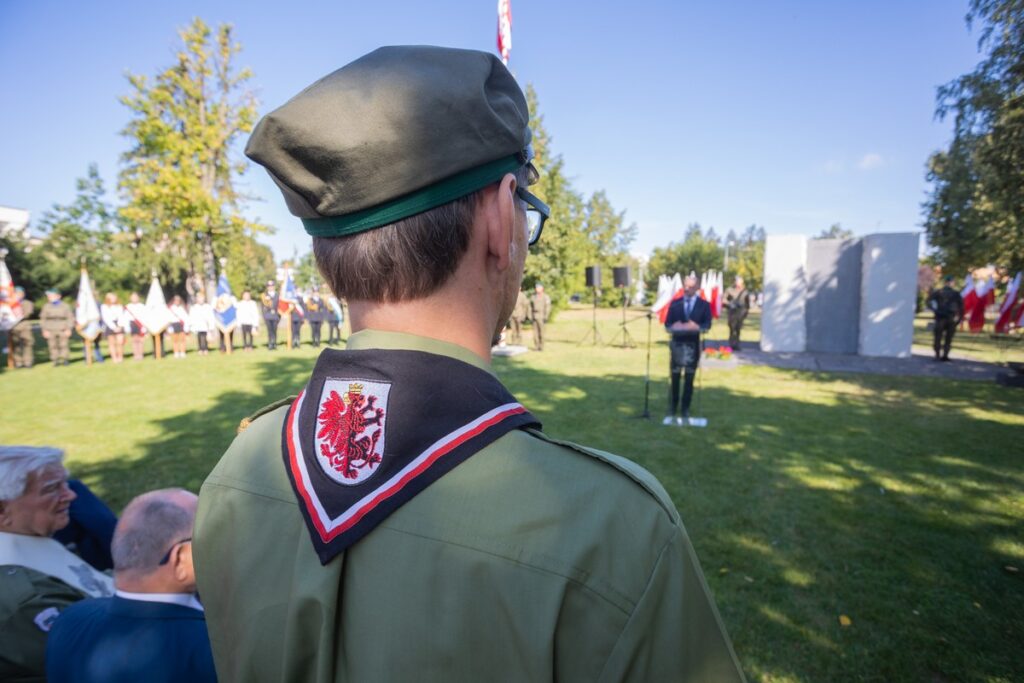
378, 339
183, 599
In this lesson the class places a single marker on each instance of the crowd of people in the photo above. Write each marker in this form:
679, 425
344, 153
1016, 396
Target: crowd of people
125, 325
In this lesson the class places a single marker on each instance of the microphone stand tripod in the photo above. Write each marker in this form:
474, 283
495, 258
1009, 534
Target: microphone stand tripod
627, 338
593, 330
646, 415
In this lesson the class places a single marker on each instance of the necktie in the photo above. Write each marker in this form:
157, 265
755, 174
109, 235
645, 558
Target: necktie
689, 306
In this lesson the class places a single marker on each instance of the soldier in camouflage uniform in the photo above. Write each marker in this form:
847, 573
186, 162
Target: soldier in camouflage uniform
540, 310
948, 307
519, 314
21, 334
56, 321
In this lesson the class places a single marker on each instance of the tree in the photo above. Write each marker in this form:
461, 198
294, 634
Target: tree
83, 232
178, 178
749, 260
835, 232
696, 253
608, 239
556, 261
975, 212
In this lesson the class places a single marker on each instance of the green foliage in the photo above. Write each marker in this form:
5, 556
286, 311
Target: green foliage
835, 232
579, 233
178, 176
748, 261
85, 232
975, 212
697, 252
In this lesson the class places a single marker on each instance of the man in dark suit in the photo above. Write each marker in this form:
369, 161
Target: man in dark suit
687, 318
153, 629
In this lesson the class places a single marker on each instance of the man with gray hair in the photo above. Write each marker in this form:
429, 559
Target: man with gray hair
153, 629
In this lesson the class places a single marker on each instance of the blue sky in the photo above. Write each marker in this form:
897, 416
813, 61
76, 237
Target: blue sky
791, 115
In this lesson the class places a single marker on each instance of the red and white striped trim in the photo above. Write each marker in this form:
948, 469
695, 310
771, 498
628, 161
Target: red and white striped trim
328, 528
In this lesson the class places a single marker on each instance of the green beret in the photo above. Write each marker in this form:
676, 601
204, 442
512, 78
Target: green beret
395, 133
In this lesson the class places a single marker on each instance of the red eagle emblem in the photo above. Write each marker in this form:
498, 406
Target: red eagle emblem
349, 433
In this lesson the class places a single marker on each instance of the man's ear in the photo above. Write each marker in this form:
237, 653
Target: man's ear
501, 228
182, 560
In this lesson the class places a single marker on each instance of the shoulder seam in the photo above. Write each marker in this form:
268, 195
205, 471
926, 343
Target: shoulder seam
669, 509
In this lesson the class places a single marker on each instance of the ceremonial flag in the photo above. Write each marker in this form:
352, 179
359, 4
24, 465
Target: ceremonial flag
969, 296
224, 312
1007, 309
158, 316
87, 312
669, 289
716, 294
985, 297
290, 295
10, 312
504, 29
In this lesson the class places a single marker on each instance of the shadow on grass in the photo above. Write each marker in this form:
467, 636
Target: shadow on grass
878, 506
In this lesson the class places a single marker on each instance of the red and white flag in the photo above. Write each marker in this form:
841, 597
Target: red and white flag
10, 312
669, 289
969, 296
716, 294
504, 29
1007, 310
985, 293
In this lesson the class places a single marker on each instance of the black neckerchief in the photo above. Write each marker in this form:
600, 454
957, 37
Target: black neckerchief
375, 427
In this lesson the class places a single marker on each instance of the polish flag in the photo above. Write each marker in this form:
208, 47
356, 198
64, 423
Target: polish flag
669, 289
1007, 309
985, 292
504, 29
716, 294
969, 297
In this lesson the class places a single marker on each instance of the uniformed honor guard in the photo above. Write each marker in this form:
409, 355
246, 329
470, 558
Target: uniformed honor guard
948, 307
737, 303
404, 517
540, 310
56, 321
688, 317
316, 311
295, 316
21, 333
335, 317
519, 314
271, 315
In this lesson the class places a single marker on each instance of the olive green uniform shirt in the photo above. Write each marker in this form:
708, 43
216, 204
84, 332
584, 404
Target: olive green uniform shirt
56, 317
532, 561
29, 603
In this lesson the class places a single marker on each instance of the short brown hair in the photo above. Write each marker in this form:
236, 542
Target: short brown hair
402, 261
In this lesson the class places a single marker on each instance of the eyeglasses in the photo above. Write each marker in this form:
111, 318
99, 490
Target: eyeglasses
167, 556
537, 212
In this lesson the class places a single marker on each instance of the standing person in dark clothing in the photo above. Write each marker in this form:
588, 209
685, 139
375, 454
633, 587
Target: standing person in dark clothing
316, 310
737, 302
948, 307
271, 315
687, 318
540, 311
21, 333
57, 320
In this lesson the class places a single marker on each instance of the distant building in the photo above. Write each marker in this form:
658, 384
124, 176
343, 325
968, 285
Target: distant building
13, 221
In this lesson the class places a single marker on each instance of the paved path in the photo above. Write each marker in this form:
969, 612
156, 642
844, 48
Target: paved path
918, 365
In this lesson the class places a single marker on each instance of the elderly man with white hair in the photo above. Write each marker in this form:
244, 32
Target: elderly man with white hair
153, 629
39, 577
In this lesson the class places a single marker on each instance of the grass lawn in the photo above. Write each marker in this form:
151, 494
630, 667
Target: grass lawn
897, 502
984, 346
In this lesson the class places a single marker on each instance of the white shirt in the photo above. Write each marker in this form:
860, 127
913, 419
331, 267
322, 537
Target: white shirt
200, 318
180, 315
113, 316
248, 313
183, 599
